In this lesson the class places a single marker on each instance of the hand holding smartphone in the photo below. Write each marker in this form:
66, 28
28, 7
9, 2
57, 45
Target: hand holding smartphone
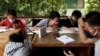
68, 53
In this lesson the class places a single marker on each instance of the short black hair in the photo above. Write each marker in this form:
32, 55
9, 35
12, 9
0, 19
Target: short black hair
11, 11
92, 18
77, 14
54, 14
15, 37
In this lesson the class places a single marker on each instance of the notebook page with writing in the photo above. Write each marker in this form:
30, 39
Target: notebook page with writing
65, 39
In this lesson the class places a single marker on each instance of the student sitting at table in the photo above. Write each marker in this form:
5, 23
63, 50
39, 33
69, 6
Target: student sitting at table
16, 46
53, 20
73, 20
11, 21
71, 24
91, 23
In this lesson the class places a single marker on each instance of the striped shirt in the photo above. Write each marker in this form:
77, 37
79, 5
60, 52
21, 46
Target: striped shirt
15, 49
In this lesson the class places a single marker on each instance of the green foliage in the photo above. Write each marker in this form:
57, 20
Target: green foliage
92, 5
32, 7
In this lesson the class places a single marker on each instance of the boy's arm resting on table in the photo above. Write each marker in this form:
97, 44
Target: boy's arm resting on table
82, 35
1, 23
41, 23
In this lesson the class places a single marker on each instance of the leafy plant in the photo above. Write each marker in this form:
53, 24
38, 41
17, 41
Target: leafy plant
92, 5
32, 7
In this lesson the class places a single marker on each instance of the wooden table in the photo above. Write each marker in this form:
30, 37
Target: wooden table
49, 40
4, 37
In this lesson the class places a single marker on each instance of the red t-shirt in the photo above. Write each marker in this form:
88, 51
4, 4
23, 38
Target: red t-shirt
9, 24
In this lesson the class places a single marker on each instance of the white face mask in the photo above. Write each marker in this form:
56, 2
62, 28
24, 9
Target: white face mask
94, 31
10, 20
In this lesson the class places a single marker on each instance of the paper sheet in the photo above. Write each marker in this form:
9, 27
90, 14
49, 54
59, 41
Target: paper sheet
65, 31
68, 30
65, 39
3, 30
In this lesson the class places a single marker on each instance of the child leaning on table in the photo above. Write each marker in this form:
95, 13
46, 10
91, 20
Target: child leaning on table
16, 46
90, 23
53, 20
11, 20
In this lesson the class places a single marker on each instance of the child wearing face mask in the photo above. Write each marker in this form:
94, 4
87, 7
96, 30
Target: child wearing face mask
53, 20
11, 20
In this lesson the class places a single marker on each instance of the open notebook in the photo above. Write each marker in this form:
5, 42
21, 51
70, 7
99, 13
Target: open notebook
65, 39
4, 29
63, 31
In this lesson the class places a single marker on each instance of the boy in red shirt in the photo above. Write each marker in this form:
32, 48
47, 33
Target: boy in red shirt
11, 21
